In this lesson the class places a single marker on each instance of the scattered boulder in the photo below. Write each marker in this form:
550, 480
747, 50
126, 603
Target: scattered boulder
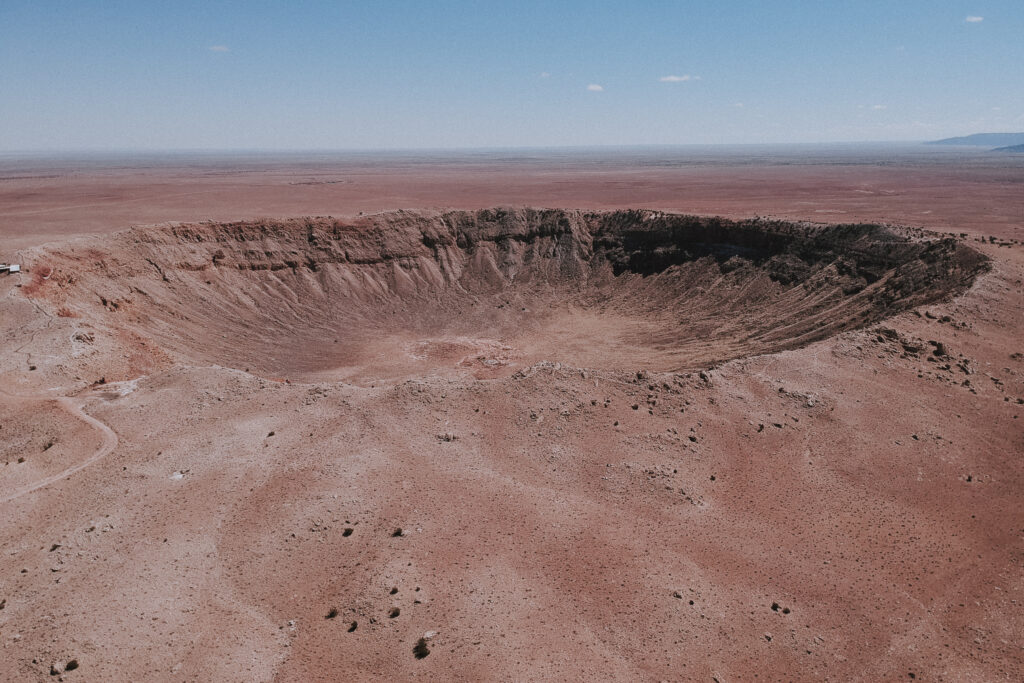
911, 347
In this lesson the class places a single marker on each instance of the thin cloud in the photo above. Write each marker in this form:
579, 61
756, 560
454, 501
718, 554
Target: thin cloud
679, 79
219, 48
974, 20
545, 74
878, 107
594, 87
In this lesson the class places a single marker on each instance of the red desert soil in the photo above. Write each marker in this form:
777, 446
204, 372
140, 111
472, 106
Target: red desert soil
512, 444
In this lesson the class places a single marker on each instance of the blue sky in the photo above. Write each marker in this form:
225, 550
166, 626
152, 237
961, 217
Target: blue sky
116, 75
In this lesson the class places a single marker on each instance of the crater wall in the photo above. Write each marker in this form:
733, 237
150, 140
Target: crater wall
484, 292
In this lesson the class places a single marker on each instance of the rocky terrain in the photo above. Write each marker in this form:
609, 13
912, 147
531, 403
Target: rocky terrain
513, 444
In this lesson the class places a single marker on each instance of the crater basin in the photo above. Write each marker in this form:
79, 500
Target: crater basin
485, 293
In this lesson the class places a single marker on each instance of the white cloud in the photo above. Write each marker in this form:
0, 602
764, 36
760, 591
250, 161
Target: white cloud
878, 107
679, 79
974, 20
219, 48
594, 87
545, 74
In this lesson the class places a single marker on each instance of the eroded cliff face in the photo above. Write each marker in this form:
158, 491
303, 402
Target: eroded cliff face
409, 293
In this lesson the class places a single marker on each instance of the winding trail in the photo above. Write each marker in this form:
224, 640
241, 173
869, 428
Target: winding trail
74, 407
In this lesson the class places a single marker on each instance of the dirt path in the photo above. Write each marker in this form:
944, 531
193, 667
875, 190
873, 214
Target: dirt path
74, 407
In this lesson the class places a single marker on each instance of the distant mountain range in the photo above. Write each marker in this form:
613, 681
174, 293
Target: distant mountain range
1000, 140
1013, 149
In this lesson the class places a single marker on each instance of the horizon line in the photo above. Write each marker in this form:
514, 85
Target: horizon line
488, 148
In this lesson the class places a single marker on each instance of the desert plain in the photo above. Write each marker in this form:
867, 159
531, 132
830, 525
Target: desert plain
708, 414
